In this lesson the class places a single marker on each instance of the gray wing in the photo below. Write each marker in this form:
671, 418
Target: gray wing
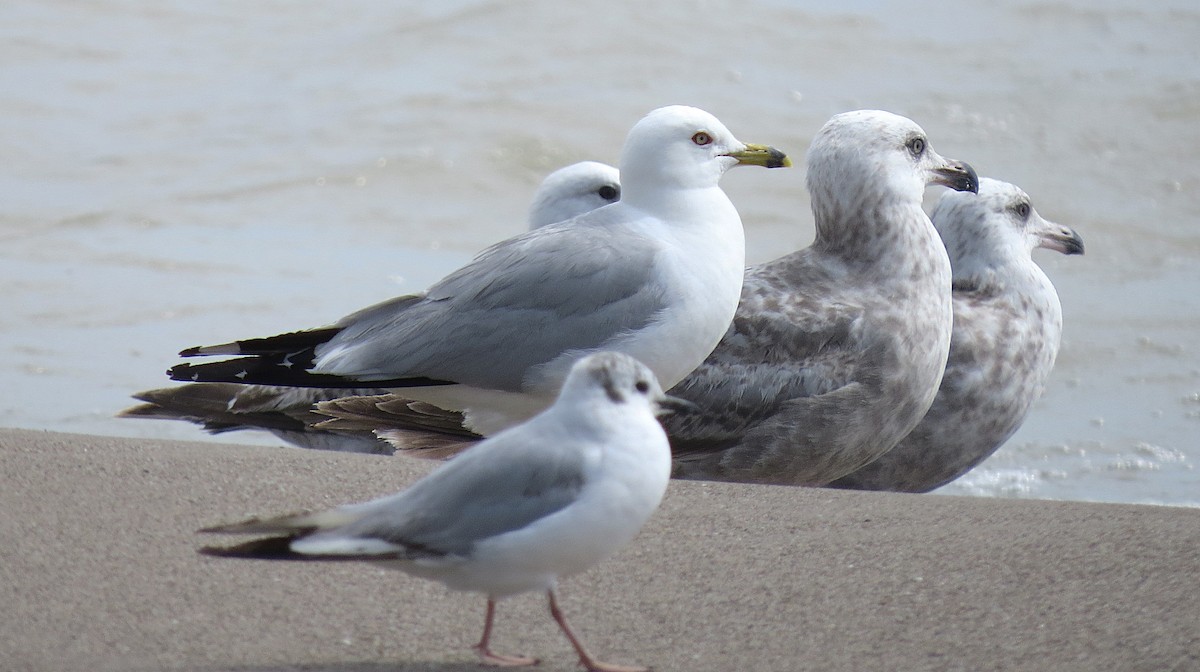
493, 488
792, 342
519, 304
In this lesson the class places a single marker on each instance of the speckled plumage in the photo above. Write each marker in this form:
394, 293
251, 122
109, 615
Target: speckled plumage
1007, 325
837, 350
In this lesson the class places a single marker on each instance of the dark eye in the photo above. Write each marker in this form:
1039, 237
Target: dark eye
916, 146
642, 386
1022, 209
609, 192
702, 139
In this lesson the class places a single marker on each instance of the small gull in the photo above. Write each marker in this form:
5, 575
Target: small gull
286, 412
1007, 325
837, 350
537, 502
655, 275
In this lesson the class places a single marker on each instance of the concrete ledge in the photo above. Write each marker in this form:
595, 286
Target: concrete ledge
98, 571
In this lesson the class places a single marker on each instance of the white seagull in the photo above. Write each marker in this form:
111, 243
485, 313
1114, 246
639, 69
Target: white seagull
287, 412
573, 190
655, 275
1007, 326
537, 502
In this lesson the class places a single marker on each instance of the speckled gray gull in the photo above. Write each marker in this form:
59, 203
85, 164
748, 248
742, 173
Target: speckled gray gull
1007, 325
287, 412
837, 350
535, 503
655, 275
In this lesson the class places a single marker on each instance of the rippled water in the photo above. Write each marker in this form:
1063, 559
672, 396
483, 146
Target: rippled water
182, 173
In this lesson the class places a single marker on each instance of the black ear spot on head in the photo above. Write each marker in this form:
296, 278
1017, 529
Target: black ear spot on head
610, 388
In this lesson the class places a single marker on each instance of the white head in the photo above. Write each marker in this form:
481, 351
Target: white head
996, 227
616, 379
680, 147
573, 190
867, 155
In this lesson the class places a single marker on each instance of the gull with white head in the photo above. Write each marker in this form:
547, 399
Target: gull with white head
573, 190
836, 350
656, 275
1007, 327
287, 412
535, 503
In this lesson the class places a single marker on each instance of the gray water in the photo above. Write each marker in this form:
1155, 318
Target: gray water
180, 173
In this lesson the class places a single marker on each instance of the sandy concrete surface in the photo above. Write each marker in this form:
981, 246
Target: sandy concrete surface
98, 571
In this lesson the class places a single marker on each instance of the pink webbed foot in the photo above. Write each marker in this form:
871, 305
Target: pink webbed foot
491, 659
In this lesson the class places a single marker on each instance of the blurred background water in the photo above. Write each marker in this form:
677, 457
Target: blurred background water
180, 173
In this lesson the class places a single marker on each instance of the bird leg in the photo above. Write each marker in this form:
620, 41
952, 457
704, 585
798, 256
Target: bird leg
585, 658
486, 655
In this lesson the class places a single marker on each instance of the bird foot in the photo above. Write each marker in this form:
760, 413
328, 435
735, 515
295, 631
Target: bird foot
487, 657
597, 666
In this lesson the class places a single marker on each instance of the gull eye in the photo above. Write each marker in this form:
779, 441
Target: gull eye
609, 192
701, 138
1022, 209
642, 386
916, 146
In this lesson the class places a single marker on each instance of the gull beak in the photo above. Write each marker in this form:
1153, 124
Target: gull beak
1060, 239
761, 155
958, 175
668, 405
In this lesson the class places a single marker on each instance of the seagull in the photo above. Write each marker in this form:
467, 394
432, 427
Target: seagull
837, 350
542, 500
573, 190
287, 412
1007, 326
655, 275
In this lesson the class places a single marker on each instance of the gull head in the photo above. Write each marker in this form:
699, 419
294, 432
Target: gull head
996, 226
614, 379
859, 157
573, 190
680, 147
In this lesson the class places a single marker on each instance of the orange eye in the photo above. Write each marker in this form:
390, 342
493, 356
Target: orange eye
702, 139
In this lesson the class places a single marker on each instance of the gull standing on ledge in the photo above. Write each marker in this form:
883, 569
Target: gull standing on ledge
655, 275
287, 412
1007, 326
837, 350
542, 500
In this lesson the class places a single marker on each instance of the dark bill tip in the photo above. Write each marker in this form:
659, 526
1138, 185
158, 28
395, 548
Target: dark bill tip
1066, 241
959, 176
668, 405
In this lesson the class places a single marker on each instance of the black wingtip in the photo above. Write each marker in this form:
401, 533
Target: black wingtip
190, 352
269, 548
182, 372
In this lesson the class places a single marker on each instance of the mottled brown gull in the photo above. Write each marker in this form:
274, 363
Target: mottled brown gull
837, 350
287, 412
1007, 325
656, 275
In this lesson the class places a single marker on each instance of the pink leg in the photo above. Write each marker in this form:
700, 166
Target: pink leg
585, 658
486, 656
